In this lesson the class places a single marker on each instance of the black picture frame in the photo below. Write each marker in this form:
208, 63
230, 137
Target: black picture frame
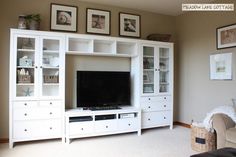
63, 17
129, 25
226, 36
98, 21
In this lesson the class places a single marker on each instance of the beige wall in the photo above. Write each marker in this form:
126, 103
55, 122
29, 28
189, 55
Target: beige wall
10, 9
197, 94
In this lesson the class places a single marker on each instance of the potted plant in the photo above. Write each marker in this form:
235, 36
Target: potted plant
33, 21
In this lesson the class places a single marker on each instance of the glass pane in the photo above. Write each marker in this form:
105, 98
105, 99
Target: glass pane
50, 68
148, 69
25, 71
164, 70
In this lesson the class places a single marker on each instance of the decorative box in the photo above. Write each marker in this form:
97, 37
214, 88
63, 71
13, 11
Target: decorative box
25, 62
24, 79
202, 140
51, 79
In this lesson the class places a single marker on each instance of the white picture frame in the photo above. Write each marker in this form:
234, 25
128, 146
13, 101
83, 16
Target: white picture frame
221, 66
63, 18
129, 25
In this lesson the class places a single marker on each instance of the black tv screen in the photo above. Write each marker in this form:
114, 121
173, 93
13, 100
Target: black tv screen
103, 88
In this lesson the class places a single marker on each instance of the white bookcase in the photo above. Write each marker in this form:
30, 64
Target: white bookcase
37, 86
37, 63
156, 71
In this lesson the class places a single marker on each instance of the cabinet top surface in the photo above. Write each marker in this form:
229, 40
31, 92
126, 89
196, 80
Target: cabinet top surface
89, 36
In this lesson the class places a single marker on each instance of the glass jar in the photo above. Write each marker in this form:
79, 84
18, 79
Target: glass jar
22, 22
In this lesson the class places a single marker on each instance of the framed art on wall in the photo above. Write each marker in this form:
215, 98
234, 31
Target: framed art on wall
221, 66
63, 17
129, 25
226, 36
98, 21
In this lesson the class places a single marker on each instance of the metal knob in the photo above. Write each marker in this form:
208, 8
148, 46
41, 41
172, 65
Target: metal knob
129, 124
50, 113
149, 119
25, 104
25, 114
149, 98
164, 105
50, 128
164, 117
25, 130
106, 126
82, 128
50, 103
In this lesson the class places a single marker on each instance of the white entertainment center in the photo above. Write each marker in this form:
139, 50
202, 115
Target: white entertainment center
37, 86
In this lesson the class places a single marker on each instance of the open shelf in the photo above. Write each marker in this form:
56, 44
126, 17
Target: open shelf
126, 48
104, 46
80, 45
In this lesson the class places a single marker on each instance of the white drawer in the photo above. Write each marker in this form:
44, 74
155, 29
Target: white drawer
37, 129
52, 103
155, 106
76, 128
105, 125
36, 113
155, 99
128, 124
153, 119
25, 104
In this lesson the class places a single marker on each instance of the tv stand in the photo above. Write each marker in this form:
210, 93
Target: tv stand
87, 123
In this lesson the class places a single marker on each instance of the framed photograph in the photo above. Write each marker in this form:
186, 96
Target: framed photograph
145, 77
98, 21
221, 66
129, 25
226, 36
63, 17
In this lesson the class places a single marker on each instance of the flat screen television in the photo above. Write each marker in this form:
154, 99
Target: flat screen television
103, 88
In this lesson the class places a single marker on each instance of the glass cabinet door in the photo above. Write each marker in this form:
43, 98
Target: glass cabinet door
25, 66
50, 67
148, 69
164, 71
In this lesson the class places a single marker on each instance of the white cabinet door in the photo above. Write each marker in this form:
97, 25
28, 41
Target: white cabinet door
149, 70
24, 76
51, 66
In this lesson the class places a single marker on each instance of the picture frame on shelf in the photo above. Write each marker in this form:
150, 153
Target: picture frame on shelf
63, 18
129, 25
226, 36
221, 66
98, 21
146, 78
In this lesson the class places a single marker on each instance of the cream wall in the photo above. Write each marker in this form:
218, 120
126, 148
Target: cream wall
196, 40
11, 9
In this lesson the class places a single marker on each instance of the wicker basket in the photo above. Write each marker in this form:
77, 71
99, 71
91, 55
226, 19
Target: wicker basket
202, 140
51, 79
24, 79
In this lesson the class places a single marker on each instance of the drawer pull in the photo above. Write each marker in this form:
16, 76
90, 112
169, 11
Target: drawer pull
50, 113
25, 130
164, 117
25, 114
129, 124
82, 128
149, 119
149, 98
164, 105
25, 104
164, 97
50, 128
106, 126
50, 103
149, 106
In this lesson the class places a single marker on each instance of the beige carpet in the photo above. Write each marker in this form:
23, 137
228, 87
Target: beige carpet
159, 142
